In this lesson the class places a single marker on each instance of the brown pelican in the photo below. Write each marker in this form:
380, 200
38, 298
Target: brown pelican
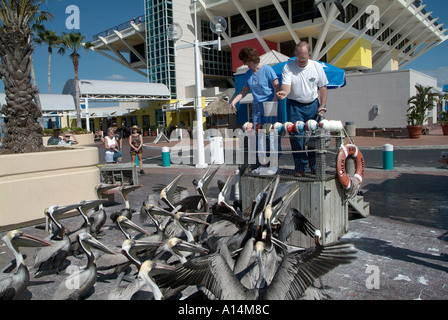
14, 282
295, 274
127, 211
138, 289
116, 263
83, 207
176, 246
78, 283
336, 2
180, 219
202, 187
98, 218
49, 259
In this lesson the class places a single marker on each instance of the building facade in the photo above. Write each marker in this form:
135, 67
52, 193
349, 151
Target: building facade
369, 37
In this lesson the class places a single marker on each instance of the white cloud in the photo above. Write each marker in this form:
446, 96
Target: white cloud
441, 74
116, 77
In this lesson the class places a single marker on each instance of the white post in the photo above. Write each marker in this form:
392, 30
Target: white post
198, 98
87, 115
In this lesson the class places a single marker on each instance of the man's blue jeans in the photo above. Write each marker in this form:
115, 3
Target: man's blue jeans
301, 112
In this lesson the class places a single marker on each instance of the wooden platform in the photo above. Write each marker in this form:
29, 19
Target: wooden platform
322, 202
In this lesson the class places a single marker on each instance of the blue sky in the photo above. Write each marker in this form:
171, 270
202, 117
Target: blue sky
99, 15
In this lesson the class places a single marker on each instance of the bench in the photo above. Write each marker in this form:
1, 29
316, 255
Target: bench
392, 131
117, 173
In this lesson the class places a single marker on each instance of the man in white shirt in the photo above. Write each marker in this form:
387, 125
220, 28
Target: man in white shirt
303, 82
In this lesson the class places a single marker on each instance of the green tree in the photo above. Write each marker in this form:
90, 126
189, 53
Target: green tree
73, 42
23, 132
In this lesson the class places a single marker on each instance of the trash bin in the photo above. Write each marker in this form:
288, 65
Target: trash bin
216, 150
165, 157
350, 128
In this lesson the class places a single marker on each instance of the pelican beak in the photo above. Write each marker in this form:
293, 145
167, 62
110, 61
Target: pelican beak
129, 224
92, 242
128, 189
86, 205
26, 240
159, 211
55, 210
190, 247
143, 244
164, 268
102, 187
185, 218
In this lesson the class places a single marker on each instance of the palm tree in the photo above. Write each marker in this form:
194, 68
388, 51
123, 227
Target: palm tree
73, 41
52, 40
23, 132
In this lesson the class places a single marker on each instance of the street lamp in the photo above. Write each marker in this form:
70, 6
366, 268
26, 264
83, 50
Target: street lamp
174, 32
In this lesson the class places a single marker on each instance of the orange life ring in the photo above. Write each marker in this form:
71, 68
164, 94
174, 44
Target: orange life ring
349, 150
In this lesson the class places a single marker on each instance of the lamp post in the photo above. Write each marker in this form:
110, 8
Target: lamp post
175, 33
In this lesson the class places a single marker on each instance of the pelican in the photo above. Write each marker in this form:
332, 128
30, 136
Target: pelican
176, 246
124, 224
203, 183
224, 197
295, 274
115, 263
14, 283
127, 211
83, 206
167, 193
336, 2
180, 219
52, 258
98, 218
78, 283
138, 289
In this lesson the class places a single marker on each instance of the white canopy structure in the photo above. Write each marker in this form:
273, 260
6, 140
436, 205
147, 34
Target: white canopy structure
102, 91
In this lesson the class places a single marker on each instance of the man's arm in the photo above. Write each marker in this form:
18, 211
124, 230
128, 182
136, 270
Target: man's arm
284, 91
323, 100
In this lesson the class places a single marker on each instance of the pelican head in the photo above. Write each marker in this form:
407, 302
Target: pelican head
89, 241
103, 187
19, 239
317, 237
16, 238
177, 244
124, 224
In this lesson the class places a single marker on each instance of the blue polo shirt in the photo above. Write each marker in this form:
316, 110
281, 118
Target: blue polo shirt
260, 83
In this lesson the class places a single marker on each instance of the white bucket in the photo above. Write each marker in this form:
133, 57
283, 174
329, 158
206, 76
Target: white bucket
270, 108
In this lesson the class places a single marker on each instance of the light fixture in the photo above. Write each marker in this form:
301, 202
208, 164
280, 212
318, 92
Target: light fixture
174, 32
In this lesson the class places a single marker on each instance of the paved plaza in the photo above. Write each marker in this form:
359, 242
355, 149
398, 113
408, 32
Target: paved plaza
402, 246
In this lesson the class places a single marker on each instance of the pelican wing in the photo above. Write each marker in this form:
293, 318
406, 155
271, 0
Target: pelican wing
212, 272
47, 255
299, 269
295, 220
7, 291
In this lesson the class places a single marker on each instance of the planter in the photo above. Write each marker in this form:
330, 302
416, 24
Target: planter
153, 133
31, 182
445, 129
83, 139
145, 133
414, 131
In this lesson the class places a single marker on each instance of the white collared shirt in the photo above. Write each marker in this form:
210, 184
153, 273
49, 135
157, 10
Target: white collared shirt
304, 82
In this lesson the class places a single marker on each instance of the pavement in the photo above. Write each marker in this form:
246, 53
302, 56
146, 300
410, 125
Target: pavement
402, 246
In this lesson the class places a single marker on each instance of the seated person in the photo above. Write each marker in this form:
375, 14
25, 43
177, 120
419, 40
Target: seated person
55, 138
67, 141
